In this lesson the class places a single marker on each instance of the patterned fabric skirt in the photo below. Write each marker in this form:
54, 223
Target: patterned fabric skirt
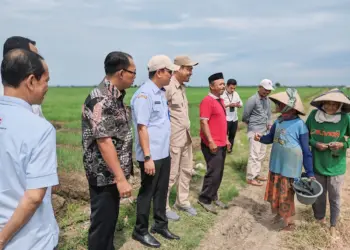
280, 193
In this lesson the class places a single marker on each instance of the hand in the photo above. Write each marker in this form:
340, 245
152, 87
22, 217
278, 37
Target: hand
213, 148
124, 189
257, 137
321, 146
228, 144
312, 178
2, 244
335, 145
150, 169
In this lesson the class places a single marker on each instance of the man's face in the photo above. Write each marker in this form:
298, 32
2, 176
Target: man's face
129, 74
218, 87
231, 88
38, 88
165, 76
185, 72
263, 92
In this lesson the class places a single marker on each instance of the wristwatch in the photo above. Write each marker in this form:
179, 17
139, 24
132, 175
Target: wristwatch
147, 157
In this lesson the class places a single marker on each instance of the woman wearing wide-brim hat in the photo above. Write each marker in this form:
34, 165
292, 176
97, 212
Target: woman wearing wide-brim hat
328, 126
290, 151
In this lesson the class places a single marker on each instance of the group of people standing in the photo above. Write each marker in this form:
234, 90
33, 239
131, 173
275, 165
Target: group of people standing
163, 145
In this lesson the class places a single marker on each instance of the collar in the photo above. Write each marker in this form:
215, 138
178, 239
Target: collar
213, 96
260, 98
177, 83
227, 93
111, 89
14, 101
154, 87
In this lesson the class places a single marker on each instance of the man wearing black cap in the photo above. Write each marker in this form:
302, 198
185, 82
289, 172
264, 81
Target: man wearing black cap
213, 142
19, 42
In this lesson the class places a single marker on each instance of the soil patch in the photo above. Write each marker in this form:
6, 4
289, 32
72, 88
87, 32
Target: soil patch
57, 124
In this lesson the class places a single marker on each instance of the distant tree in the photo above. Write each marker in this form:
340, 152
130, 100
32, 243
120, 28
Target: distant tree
278, 84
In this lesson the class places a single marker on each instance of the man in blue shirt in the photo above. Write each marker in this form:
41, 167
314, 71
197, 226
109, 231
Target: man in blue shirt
152, 125
19, 42
28, 163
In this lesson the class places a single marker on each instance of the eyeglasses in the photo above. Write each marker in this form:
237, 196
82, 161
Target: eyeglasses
131, 72
168, 70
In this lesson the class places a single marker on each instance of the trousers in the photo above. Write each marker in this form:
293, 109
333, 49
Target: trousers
180, 174
156, 188
215, 171
331, 185
104, 216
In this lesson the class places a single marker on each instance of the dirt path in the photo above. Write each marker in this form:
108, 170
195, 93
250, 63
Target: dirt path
247, 223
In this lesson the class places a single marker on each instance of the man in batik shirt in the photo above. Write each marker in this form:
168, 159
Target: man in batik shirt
107, 146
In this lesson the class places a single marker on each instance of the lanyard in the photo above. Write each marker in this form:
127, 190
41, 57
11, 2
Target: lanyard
229, 97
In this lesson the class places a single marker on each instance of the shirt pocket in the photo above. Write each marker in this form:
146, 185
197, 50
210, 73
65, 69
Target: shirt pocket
177, 102
157, 116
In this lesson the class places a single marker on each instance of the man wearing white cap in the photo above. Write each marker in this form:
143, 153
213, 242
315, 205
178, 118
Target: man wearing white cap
151, 120
180, 140
257, 115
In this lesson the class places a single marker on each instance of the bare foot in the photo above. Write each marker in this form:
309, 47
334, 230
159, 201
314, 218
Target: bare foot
322, 221
276, 219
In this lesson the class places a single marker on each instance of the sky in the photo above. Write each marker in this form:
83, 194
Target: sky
292, 42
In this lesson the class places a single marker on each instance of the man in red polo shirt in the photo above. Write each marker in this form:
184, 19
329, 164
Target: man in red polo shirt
213, 142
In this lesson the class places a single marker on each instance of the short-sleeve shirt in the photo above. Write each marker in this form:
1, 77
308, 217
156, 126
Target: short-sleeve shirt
105, 116
212, 109
228, 99
149, 108
28, 161
178, 106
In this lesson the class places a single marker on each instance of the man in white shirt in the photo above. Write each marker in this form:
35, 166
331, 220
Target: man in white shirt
19, 42
232, 103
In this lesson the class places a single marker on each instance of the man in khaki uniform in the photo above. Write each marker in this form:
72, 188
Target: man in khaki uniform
180, 141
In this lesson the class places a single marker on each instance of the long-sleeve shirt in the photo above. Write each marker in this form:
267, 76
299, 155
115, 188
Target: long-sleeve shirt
290, 148
257, 113
325, 162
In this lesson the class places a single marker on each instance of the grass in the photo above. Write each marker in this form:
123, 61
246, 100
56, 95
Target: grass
63, 107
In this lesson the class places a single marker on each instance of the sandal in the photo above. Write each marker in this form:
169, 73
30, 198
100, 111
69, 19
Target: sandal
254, 182
288, 228
261, 178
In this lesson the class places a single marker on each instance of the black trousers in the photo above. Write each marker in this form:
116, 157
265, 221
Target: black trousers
215, 172
231, 131
104, 216
155, 187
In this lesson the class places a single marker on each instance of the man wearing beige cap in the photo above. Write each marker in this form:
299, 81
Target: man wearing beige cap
180, 140
151, 120
257, 115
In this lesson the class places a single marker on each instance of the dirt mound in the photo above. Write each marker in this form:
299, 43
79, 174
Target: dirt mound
57, 124
73, 185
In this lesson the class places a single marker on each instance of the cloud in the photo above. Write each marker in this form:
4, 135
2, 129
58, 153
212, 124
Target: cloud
291, 42
208, 58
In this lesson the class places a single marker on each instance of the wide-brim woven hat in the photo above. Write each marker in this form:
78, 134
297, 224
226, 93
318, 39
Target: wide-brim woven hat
334, 95
282, 97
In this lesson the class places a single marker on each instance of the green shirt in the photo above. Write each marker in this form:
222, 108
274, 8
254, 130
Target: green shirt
325, 163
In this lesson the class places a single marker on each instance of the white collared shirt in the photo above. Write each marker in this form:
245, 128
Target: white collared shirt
231, 98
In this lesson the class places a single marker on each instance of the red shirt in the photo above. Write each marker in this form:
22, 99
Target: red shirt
211, 109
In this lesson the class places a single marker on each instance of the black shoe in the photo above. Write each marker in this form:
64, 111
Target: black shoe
147, 239
165, 233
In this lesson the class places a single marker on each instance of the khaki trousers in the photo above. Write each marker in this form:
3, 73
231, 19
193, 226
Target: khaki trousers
257, 152
180, 174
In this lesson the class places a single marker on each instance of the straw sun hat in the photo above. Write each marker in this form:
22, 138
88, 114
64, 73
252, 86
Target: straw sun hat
334, 95
291, 98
